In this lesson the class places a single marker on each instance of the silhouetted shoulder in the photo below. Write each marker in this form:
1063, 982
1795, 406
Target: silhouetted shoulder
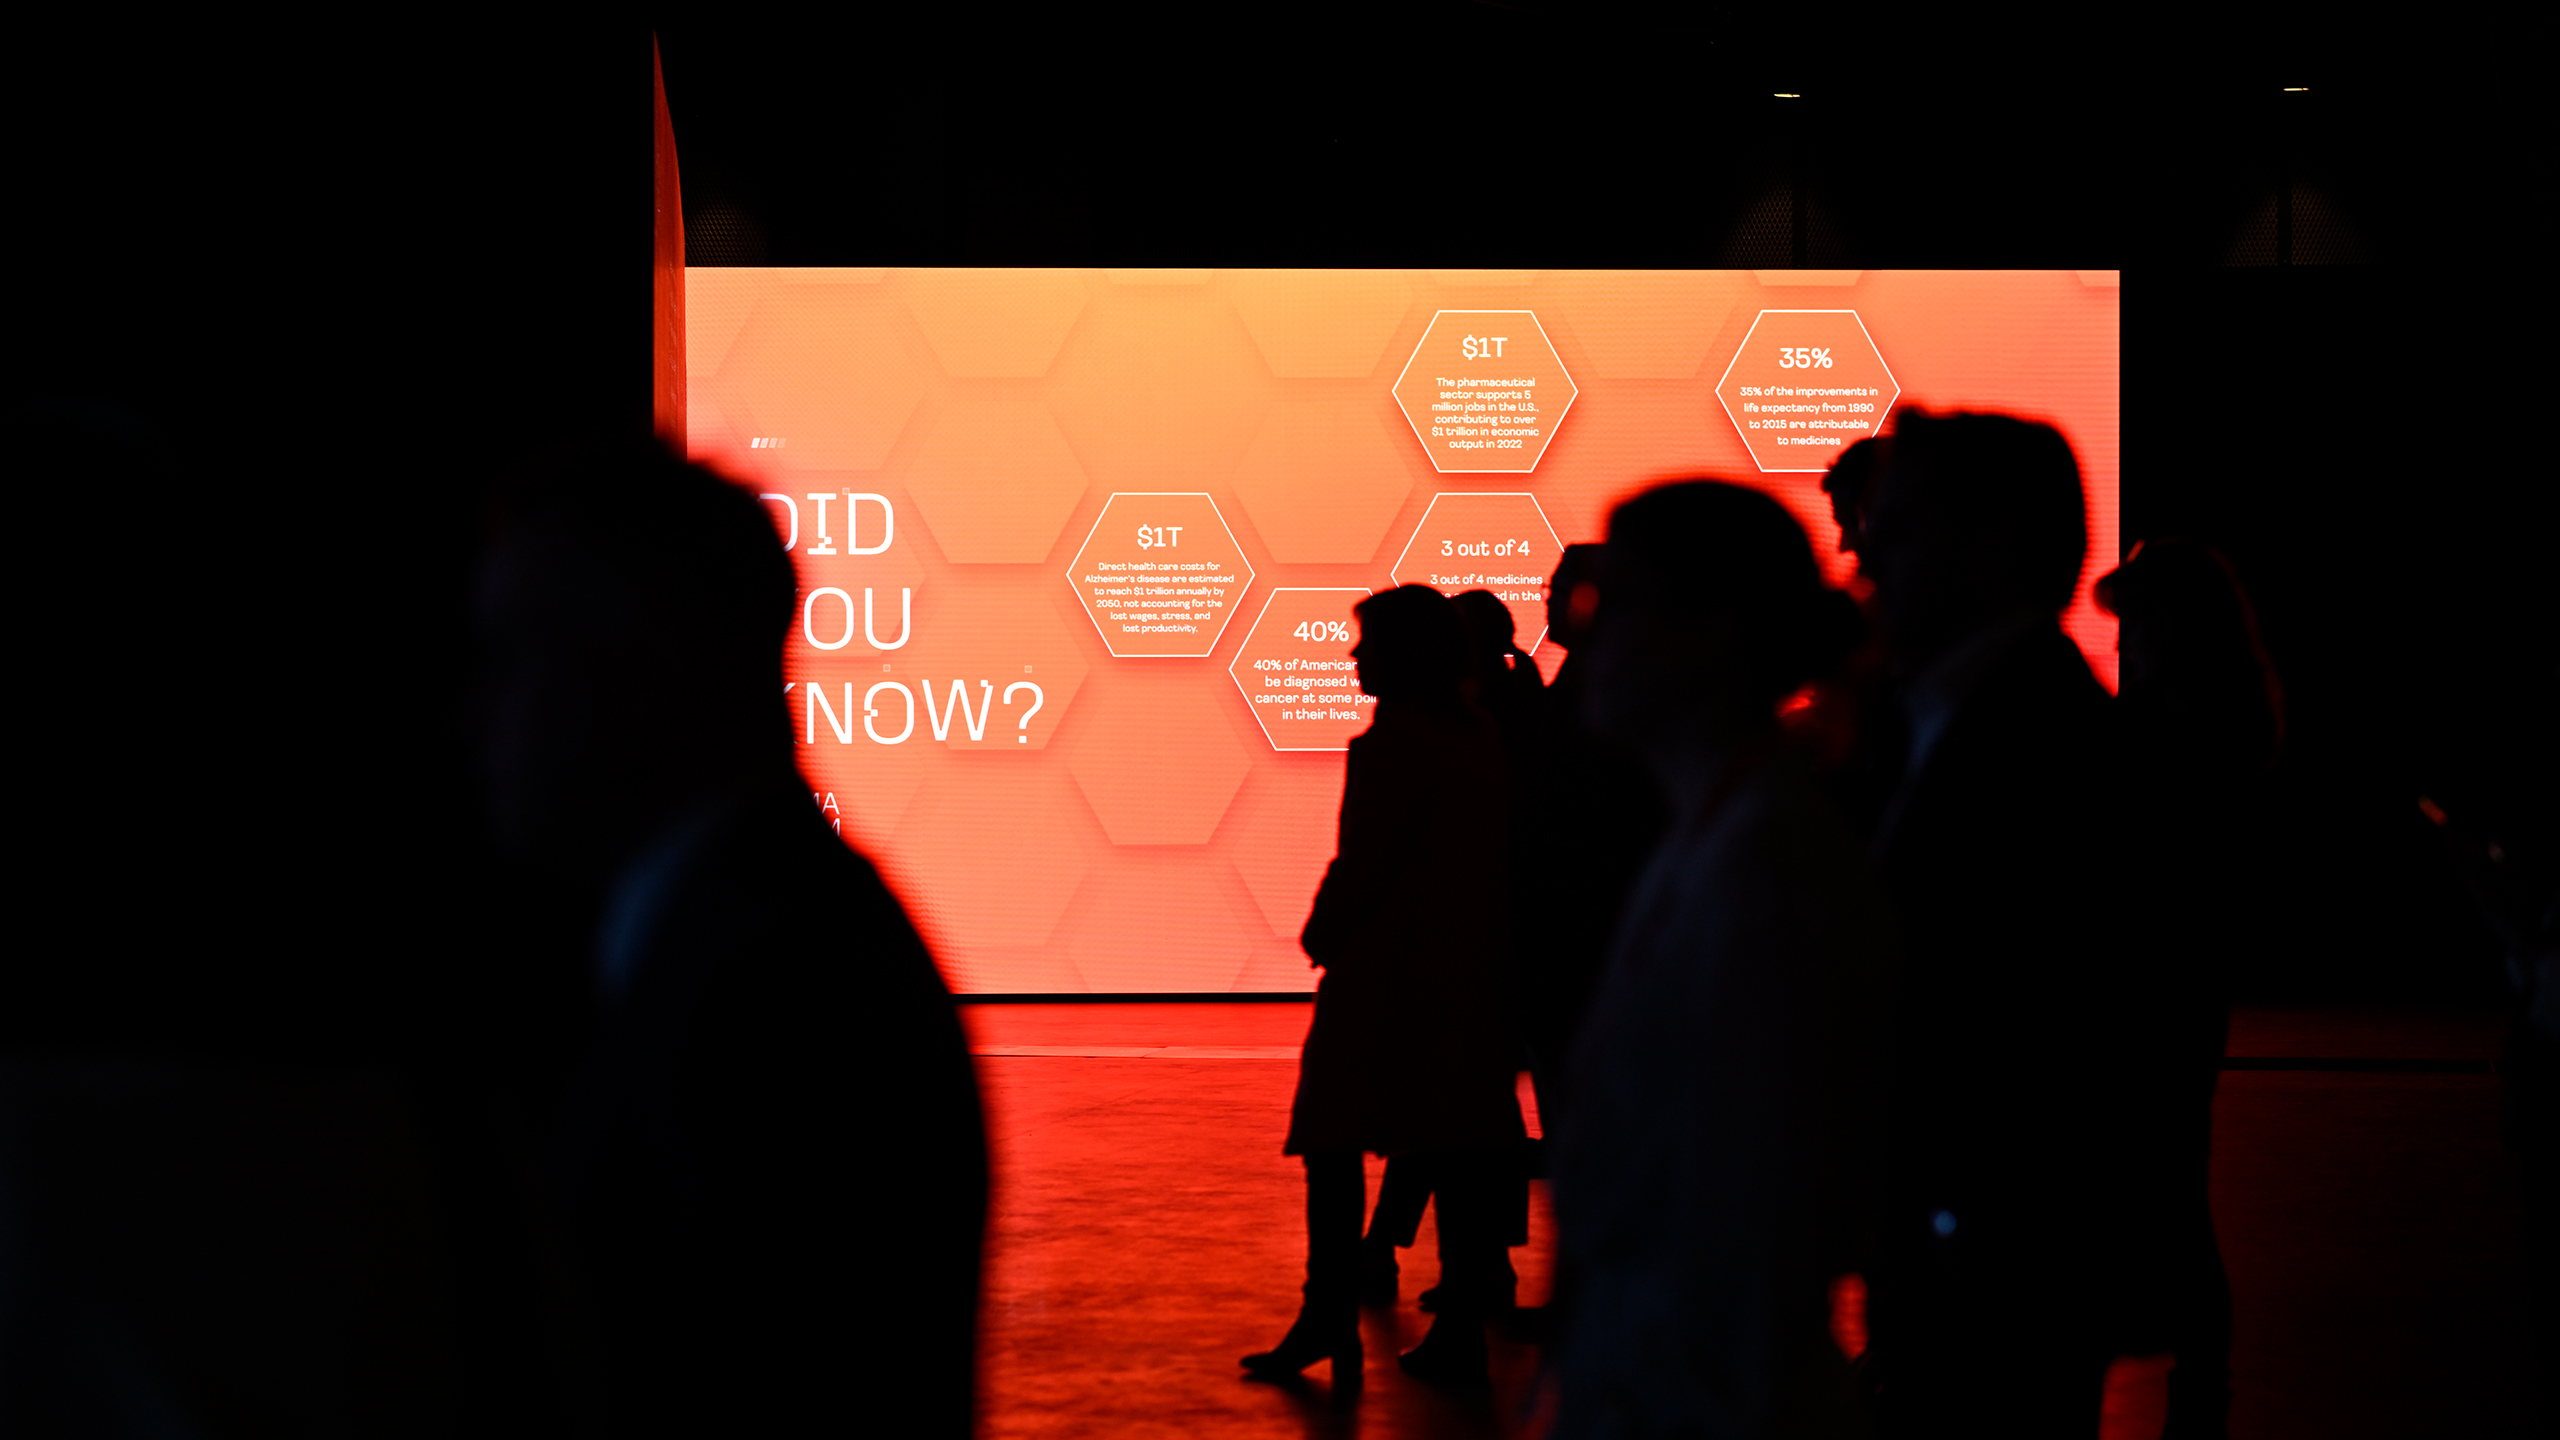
1714, 1171
787, 1033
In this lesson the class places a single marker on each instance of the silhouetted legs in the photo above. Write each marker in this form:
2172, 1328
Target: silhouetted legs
1408, 1185
1476, 1278
1402, 1192
1475, 1265
1328, 1322
1336, 1194
1473, 1192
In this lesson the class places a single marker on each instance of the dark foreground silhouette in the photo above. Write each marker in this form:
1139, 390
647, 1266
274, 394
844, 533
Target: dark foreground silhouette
771, 1173
1712, 1169
1592, 815
2024, 1241
2204, 726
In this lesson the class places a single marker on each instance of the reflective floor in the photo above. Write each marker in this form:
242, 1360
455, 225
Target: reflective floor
2373, 1227
1147, 1232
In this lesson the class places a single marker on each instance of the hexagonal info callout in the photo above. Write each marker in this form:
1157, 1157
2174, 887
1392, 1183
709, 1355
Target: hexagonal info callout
1160, 574
1294, 669
1496, 542
1484, 391
1804, 384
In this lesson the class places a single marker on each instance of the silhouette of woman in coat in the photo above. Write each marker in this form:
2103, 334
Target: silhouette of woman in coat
1412, 1050
1506, 686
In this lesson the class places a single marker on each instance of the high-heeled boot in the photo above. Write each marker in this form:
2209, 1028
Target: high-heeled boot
1453, 1355
1328, 1323
1475, 1272
1403, 1190
1378, 1272
1327, 1328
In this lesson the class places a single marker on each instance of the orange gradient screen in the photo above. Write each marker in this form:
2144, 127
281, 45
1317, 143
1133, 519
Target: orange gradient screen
1077, 549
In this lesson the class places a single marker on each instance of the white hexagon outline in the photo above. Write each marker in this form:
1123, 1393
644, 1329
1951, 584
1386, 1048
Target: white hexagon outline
1078, 563
1275, 593
1550, 525
1883, 412
1543, 443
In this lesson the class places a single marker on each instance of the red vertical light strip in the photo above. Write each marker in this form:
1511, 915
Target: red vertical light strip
667, 400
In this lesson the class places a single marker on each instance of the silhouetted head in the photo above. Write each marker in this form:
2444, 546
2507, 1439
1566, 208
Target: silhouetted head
1711, 611
1491, 634
1573, 593
1847, 483
1970, 519
2193, 661
633, 609
1413, 646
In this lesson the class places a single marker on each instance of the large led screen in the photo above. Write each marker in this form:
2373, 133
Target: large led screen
1077, 548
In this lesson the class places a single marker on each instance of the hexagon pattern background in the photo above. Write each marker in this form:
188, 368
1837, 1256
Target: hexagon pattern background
1485, 390
1496, 542
1089, 823
1160, 575
1295, 669
1803, 384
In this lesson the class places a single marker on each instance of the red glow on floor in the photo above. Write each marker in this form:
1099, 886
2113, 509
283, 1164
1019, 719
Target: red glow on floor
1146, 1231
2136, 1403
1849, 1314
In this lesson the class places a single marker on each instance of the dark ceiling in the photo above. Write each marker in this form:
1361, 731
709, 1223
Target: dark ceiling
1457, 134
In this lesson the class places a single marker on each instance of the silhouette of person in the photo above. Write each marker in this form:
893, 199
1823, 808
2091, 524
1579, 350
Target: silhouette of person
1849, 725
773, 1166
1846, 483
2204, 719
2015, 1258
1592, 814
1507, 687
1507, 683
1710, 1179
1412, 1049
